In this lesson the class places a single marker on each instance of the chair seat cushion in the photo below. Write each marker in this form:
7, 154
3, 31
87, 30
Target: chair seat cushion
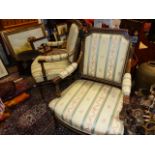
90, 107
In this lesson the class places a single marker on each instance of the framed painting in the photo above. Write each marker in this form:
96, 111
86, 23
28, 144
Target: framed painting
17, 40
35, 44
40, 45
3, 70
62, 31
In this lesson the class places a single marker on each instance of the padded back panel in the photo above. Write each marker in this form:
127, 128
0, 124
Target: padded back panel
105, 55
72, 39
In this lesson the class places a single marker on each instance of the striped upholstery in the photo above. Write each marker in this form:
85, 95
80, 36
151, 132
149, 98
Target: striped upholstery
68, 71
53, 69
105, 56
72, 40
90, 107
57, 57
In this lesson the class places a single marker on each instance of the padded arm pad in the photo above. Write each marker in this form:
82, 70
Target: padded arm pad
126, 85
51, 58
55, 43
69, 70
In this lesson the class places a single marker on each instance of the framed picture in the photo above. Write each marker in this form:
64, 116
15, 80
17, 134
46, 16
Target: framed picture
40, 45
3, 70
17, 40
62, 31
35, 44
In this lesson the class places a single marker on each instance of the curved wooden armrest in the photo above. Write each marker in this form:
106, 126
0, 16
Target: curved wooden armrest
80, 57
126, 100
43, 69
56, 80
41, 61
128, 69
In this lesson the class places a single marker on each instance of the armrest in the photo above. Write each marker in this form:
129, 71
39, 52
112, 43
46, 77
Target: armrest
55, 43
126, 85
126, 90
69, 70
50, 58
58, 78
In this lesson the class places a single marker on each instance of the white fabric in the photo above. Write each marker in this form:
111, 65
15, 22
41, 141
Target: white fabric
72, 39
57, 63
52, 69
105, 55
90, 107
68, 71
55, 43
50, 58
126, 85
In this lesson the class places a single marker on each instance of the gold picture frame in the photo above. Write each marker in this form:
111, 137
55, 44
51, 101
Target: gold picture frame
35, 44
17, 40
3, 70
62, 30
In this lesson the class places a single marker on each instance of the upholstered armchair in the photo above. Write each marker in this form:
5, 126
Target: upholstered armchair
92, 104
60, 63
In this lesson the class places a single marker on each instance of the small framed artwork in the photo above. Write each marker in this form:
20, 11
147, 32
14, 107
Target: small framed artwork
62, 31
40, 45
3, 70
35, 44
17, 40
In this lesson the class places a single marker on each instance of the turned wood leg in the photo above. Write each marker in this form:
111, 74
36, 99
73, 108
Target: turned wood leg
58, 92
41, 92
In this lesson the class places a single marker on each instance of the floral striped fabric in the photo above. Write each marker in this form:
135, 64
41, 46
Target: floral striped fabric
51, 58
53, 69
72, 40
105, 56
62, 57
90, 107
68, 71
126, 84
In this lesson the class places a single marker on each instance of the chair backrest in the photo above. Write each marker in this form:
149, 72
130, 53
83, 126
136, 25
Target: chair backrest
72, 40
106, 52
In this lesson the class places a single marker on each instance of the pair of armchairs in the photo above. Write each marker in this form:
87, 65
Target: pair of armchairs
92, 104
60, 63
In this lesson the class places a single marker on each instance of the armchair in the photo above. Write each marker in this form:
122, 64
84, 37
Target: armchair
61, 63
91, 105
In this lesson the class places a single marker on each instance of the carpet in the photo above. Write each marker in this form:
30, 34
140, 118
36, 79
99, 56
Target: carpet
33, 117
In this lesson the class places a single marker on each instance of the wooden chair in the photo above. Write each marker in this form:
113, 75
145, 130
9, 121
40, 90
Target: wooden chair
60, 63
91, 105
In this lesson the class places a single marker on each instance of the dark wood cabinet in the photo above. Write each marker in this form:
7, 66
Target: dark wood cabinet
14, 23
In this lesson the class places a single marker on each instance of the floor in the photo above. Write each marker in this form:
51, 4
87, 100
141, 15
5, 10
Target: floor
33, 117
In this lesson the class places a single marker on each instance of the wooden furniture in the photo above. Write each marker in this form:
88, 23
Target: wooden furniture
91, 105
15, 88
15, 23
144, 49
25, 60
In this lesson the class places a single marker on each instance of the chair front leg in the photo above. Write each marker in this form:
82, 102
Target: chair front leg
43, 69
58, 92
126, 102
